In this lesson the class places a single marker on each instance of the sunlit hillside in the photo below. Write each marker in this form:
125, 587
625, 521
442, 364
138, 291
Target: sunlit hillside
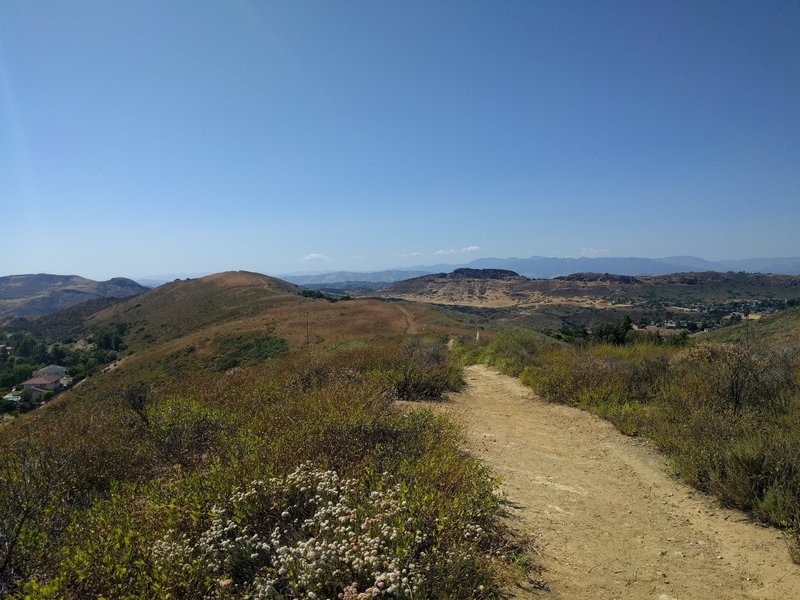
778, 330
237, 384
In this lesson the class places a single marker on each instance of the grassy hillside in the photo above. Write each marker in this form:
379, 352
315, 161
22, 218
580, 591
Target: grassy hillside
182, 307
209, 324
251, 449
202, 324
239, 302
781, 329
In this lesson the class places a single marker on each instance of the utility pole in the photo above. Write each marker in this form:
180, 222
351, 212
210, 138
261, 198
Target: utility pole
746, 313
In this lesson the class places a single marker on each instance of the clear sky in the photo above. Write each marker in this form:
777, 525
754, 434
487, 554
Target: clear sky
148, 137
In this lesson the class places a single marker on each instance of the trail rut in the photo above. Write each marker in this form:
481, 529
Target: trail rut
607, 519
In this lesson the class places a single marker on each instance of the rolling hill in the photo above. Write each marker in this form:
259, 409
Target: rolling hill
43, 294
182, 307
585, 299
223, 382
187, 325
498, 288
485, 287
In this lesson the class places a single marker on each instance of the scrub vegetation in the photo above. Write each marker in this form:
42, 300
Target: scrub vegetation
247, 442
295, 478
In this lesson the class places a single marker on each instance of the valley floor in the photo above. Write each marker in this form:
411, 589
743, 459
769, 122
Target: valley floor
606, 518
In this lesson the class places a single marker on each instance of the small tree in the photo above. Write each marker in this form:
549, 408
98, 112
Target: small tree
137, 397
747, 375
28, 479
616, 334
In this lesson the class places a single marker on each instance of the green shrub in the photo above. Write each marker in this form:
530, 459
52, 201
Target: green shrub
29, 488
166, 505
510, 351
739, 376
423, 370
248, 350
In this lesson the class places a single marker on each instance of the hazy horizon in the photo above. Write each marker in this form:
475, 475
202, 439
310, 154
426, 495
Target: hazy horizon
148, 138
163, 277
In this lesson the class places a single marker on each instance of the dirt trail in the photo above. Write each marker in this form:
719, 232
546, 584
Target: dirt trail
606, 517
411, 324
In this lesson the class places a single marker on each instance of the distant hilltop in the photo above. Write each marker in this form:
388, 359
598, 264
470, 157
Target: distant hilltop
606, 277
466, 273
459, 275
497, 288
44, 294
461, 282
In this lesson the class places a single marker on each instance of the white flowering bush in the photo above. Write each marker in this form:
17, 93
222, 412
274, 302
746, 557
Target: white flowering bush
310, 534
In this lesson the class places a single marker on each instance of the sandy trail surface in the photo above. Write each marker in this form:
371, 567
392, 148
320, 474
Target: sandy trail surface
606, 517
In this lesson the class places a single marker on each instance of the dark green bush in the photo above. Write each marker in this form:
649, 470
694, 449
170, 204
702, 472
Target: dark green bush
423, 370
247, 351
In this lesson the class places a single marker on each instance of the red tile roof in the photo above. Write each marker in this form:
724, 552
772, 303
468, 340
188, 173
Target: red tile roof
42, 380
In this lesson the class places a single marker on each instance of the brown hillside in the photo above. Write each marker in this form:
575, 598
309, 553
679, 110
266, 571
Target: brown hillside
44, 294
471, 287
598, 289
184, 306
177, 329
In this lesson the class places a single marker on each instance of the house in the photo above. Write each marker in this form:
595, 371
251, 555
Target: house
39, 385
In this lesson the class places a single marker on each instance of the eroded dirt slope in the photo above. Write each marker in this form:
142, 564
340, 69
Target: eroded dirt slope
607, 518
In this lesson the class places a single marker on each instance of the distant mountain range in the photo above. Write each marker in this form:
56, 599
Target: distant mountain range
43, 294
355, 277
541, 267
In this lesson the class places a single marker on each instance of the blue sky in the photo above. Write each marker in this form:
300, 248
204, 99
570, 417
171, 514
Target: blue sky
148, 137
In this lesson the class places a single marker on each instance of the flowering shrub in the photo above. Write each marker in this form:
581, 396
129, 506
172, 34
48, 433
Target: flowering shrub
185, 503
310, 534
